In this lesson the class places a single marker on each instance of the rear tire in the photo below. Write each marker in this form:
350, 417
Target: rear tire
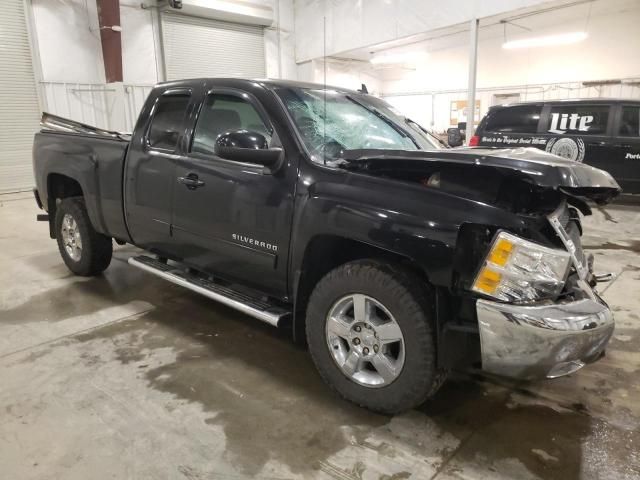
394, 295
84, 251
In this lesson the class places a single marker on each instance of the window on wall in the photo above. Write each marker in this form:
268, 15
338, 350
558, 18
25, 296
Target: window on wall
223, 113
578, 119
167, 121
519, 119
630, 123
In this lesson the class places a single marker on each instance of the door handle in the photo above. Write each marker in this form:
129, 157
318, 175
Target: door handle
191, 181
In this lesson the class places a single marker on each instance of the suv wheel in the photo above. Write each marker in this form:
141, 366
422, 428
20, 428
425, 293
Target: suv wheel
370, 334
84, 251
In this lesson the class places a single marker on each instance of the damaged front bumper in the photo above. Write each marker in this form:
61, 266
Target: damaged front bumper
550, 339
538, 341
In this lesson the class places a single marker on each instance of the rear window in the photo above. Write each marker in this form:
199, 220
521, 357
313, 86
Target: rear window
518, 119
167, 121
630, 124
578, 119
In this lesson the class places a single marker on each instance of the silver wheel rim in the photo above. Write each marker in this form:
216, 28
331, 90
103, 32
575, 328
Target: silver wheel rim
71, 238
365, 340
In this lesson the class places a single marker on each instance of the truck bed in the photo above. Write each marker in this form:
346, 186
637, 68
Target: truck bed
92, 159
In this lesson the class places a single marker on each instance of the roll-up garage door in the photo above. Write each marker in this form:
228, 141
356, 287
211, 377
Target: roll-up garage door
199, 47
19, 109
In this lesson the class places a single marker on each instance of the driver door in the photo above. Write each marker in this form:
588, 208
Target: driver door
230, 218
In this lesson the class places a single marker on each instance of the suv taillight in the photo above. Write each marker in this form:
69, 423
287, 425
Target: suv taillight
475, 141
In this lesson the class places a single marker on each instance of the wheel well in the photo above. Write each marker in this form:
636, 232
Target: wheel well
323, 254
58, 187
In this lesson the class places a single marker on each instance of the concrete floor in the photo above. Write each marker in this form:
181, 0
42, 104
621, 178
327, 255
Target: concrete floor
126, 376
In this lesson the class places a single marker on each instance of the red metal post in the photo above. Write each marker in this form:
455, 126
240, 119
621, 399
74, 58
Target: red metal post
108, 17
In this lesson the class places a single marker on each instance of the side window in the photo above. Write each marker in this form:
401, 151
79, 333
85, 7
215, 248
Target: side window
630, 123
167, 121
223, 113
578, 119
518, 119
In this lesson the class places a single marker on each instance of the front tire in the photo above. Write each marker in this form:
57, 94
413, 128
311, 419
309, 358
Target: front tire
84, 251
370, 333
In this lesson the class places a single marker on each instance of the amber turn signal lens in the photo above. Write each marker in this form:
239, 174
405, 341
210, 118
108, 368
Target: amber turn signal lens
500, 252
487, 281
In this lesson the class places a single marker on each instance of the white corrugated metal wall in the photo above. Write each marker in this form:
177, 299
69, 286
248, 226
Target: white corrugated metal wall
19, 108
200, 47
428, 107
89, 102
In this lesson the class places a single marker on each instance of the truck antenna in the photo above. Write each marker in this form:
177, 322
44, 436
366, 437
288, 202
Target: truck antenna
324, 64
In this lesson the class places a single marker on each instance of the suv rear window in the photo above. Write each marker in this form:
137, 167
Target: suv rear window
578, 119
517, 119
630, 125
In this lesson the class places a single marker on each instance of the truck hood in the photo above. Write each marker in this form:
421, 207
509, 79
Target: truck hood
538, 167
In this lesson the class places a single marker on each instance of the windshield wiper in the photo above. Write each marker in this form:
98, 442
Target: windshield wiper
428, 134
403, 133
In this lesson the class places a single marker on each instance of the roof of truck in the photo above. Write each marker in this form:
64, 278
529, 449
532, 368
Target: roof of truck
263, 81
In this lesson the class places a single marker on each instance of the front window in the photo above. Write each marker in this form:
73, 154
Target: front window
224, 113
331, 122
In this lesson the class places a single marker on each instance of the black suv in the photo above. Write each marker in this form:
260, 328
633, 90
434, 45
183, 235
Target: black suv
604, 133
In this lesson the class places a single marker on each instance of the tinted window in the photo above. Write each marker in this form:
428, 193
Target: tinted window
630, 124
578, 119
167, 121
519, 119
224, 113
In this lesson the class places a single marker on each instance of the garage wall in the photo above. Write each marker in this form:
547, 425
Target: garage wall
611, 46
19, 109
356, 24
343, 74
541, 73
433, 109
425, 91
72, 79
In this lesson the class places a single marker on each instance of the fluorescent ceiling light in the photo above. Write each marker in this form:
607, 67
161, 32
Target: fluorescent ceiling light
398, 58
550, 40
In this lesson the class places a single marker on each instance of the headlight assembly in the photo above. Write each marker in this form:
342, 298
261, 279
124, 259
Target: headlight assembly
518, 270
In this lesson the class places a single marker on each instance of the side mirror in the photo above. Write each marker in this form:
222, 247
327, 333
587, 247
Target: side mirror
454, 137
247, 147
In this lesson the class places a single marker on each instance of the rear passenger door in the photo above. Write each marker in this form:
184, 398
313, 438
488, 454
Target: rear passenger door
149, 172
580, 132
513, 126
625, 154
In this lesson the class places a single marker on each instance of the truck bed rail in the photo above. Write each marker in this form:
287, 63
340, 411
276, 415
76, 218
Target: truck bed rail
61, 124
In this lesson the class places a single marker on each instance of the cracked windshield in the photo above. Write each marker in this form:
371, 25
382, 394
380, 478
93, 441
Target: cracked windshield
349, 121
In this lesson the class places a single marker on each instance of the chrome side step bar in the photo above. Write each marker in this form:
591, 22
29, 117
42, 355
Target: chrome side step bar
251, 306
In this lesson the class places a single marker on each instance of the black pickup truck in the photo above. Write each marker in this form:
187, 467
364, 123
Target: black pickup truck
325, 211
